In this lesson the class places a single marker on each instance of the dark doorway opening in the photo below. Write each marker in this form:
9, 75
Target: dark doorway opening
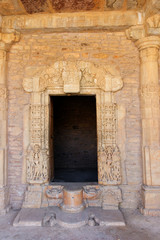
73, 126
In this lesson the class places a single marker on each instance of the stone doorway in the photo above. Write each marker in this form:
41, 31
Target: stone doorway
73, 139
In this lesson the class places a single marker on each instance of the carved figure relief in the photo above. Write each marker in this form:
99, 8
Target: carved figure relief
109, 169
37, 165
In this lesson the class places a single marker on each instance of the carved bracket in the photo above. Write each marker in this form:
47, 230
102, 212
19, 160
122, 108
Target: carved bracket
150, 28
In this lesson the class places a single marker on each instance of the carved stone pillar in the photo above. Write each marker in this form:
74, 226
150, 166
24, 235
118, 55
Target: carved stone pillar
150, 113
37, 154
6, 39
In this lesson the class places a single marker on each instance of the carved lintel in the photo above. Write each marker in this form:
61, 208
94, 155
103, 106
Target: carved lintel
74, 75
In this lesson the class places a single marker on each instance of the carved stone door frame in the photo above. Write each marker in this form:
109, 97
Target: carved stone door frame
80, 78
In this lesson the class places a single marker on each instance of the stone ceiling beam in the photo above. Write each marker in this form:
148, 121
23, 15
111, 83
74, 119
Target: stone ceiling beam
74, 21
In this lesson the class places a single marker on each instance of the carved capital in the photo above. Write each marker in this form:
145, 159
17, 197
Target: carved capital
149, 47
150, 28
153, 25
148, 42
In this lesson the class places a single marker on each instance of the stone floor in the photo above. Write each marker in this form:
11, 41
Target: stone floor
138, 228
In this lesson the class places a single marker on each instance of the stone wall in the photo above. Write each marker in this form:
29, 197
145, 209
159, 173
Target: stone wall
106, 48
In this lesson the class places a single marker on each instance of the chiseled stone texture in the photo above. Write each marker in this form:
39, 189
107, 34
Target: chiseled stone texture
45, 49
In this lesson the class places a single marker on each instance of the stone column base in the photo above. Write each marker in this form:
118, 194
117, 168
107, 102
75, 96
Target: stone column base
4, 200
151, 200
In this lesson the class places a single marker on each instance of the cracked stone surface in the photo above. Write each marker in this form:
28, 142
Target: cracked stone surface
138, 228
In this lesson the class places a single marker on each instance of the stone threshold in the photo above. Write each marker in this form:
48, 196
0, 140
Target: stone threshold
51, 216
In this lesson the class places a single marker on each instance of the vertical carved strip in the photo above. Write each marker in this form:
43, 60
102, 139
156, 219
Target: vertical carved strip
37, 154
36, 124
109, 156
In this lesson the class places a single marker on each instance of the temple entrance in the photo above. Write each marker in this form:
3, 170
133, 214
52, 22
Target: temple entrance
73, 137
